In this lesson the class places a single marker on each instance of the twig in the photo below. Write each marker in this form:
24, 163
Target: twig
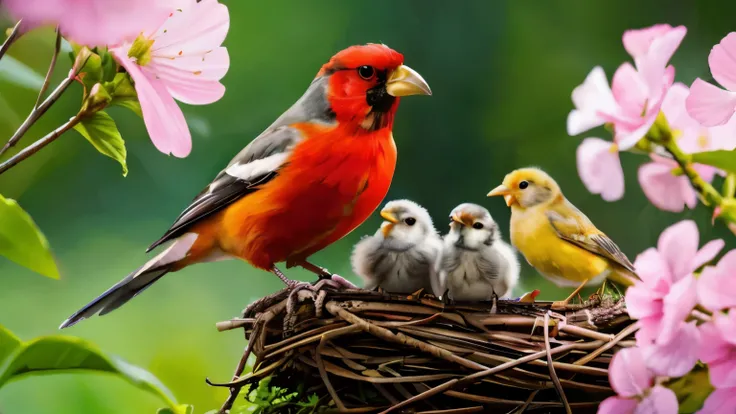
552, 373
621, 335
52, 65
36, 146
14, 35
38, 112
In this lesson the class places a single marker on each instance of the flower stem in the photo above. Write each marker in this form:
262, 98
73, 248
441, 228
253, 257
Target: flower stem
12, 37
52, 65
41, 109
36, 146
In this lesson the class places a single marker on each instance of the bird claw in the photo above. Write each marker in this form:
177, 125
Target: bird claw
317, 292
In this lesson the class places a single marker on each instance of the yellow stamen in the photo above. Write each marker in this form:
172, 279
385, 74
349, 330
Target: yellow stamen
141, 50
613, 149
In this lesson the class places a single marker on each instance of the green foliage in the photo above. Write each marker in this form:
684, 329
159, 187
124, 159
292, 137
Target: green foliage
267, 399
725, 160
101, 131
63, 354
692, 389
22, 242
179, 409
123, 93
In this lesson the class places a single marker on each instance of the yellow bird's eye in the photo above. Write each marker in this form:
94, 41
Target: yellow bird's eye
523, 185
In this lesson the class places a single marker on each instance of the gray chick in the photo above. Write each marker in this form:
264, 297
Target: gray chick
402, 256
476, 263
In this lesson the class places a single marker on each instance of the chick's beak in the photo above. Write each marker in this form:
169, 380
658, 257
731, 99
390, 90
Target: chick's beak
504, 191
405, 81
389, 216
463, 219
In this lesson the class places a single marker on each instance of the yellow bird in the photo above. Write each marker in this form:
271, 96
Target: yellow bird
556, 238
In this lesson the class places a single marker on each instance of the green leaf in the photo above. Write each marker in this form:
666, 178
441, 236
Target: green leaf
101, 131
109, 68
178, 409
22, 242
65, 354
692, 389
724, 160
124, 94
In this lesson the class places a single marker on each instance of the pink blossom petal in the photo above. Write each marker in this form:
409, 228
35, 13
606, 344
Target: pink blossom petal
678, 304
722, 62
591, 98
653, 65
193, 31
626, 139
649, 328
638, 41
653, 271
674, 109
662, 188
715, 290
208, 66
713, 347
727, 326
163, 117
660, 400
721, 401
708, 253
641, 302
628, 374
629, 90
600, 169
710, 105
617, 405
678, 245
677, 357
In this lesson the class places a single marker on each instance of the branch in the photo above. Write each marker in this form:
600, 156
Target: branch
12, 37
39, 110
36, 146
52, 65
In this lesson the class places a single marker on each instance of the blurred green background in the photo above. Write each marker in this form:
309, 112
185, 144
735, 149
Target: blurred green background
501, 72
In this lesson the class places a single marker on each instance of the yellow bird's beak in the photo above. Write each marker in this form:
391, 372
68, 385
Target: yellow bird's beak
504, 191
405, 81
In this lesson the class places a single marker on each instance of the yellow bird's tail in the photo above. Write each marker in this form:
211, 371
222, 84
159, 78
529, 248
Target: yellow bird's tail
623, 277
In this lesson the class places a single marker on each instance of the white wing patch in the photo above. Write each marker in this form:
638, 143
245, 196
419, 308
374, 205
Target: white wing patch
257, 168
175, 252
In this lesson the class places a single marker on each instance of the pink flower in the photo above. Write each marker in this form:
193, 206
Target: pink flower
181, 59
666, 295
91, 22
634, 100
634, 384
718, 349
720, 401
667, 191
600, 168
717, 284
707, 103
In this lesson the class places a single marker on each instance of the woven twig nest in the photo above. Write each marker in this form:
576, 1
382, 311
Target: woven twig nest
370, 352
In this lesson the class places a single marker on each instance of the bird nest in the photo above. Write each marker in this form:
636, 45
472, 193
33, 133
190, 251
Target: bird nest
368, 352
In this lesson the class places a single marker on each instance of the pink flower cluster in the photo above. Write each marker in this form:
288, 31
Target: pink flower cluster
636, 97
171, 49
668, 345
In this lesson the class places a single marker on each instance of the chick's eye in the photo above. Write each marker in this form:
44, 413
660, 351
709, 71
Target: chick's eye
478, 225
410, 221
524, 184
366, 72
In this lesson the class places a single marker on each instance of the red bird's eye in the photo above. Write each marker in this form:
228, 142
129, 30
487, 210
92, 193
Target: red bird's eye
366, 72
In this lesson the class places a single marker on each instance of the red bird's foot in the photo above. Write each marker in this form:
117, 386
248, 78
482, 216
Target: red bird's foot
288, 282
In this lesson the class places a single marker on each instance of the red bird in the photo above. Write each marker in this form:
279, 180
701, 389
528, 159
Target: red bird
308, 180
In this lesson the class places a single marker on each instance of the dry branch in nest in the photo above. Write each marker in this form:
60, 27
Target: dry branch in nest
370, 352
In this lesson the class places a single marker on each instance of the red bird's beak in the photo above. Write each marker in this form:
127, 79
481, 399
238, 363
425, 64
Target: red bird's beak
405, 81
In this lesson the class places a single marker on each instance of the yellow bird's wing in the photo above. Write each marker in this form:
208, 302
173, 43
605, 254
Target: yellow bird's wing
573, 226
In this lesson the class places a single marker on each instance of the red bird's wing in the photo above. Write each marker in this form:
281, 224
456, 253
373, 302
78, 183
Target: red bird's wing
255, 165
258, 162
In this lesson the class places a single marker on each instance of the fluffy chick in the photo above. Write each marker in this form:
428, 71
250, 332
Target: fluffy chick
555, 237
476, 263
401, 256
